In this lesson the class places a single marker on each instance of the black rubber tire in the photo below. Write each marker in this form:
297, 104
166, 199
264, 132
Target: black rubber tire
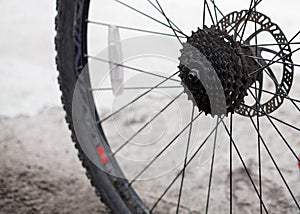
113, 191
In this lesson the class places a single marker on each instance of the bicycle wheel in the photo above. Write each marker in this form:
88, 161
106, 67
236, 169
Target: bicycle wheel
199, 119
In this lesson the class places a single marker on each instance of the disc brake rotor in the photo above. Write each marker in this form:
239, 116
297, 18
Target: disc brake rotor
264, 24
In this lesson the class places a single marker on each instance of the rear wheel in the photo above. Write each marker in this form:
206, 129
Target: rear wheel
216, 130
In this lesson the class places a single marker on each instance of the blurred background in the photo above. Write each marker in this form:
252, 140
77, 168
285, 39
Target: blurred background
28, 70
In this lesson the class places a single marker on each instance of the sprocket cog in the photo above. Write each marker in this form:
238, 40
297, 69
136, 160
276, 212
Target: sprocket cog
226, 83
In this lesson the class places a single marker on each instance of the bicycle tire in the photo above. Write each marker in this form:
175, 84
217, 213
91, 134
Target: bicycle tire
108, 188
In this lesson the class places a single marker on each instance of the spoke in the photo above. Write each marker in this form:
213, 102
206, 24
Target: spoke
245, 22
222, 14
263, 49
131, 28
203, 15
146, 15
230, 162
250, 9
135, 99
169, 22
280, 87
185, 160
258, 127
131, 68
258, 146
209, 11
162, 151
272, 44
136, 88
279, 95
146, 124
185, 36
211, 168
190, 160
272, 61
274, 162
244, 165
275, 127
269, 60
281, 121
215, 10
271, 75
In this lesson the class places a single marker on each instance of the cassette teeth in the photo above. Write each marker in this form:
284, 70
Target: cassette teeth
221, 50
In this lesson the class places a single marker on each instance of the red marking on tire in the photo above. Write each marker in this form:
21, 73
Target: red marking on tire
102, 154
